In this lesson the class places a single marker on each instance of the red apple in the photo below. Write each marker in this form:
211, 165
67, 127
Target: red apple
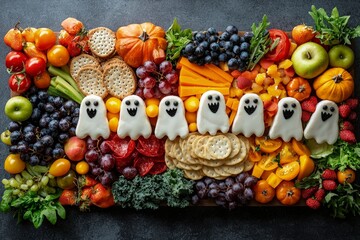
75, 148
243, 83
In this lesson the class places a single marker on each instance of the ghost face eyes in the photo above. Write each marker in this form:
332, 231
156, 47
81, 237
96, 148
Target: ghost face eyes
213, 103
289, 109
250, 105
132, 110
171, 110
327, 112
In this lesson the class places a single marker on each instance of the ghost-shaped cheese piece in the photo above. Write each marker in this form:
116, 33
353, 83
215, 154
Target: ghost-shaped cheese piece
92, 118
171, 120
287, 122
249, 118
133, 120
323, 124
211, 115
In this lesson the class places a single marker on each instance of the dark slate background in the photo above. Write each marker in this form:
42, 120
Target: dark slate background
166, 223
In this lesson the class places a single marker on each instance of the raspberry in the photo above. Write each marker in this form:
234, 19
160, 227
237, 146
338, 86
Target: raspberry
346, 125
347, 136
313, 203
329, 174
344, 110
305, 116
320, 194
353, 103
329, 185
309, 105
309, 192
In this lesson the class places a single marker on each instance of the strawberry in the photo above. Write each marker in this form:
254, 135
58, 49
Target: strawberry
320, 194
347, 136
329, 174
353, 103
344, 110
313, 203
309, 192
100, 193
346, 125
329, 185
352, 116
68, 197
309, 104
305, 116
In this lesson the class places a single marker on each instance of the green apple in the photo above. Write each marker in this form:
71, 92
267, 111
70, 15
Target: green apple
341, 56
5, 137
18, 108
310, 60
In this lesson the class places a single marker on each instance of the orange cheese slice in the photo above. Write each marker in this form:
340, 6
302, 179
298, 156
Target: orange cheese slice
192, 90
232, 117
224, 75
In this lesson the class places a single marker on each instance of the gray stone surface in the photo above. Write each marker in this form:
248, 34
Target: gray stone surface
166, 223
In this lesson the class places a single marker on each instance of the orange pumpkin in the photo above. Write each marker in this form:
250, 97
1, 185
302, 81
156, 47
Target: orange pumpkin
287, 193
336, 84
136, 43
298, 88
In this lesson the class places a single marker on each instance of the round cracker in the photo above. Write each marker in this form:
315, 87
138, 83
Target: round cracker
102, 41
189, 145
248, 165
83, 60
235, 144
169, 162
210, 163
238, 158
200, 146
195, 166
184, 166
221, 172
246, 141
210, 172
90, 81
219, 147
193, 174
168, 145
234, 169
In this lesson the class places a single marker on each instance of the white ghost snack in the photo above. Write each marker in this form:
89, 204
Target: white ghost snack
287, 122
249, 118
211, 115
133, 120
323, 124
171, 120
92, 118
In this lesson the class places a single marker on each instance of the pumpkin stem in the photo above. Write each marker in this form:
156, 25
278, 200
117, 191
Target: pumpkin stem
289, 193
338, 78
144, 36
301, 88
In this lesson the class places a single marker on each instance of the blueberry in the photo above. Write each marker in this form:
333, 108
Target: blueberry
72, 131
34, 99
51, 99
192, 59
64, 124
42, 95
242, 39
43, 122
214, 55
199, 37
212, 31
245, 46
248, 36
48, 151
69, 105
75, 121
233, 63
225, 36
231, 29
22, 148
214, 46
58, 145
228, 45
34, 160
36, 115
49, 107
200, 61
199, 51
25, 157
58, 102
222, 57
204, 44
41, 106
15, 137
30, 137
55, 115
44, 132
235, 39
189, 49
29, 128
76, 112
230, 54
57, 153
244, 56
13, 149
63, 137
236, 50
208, 59
47, 140
53, 125
213, 38
38, 147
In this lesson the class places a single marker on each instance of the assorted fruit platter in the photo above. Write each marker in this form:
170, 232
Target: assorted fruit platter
145, 117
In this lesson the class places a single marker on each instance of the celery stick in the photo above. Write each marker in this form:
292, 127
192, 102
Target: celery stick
66, 76
68, 93
63, 83
54, 92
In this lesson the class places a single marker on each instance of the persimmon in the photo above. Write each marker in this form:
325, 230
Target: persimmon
298, 88
346, 176
264, 193
287, 193
302, 33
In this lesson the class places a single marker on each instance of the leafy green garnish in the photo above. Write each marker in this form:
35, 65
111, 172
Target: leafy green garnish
319, 150
344, 156
177, 39
260, 43
35, 208
150, 191
6, 200
333, 29
311, 181
344, 201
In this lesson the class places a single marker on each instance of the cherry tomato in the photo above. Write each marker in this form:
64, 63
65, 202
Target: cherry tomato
74, 49
13, 164
268, 145
42, 80
82, 167
60, 167
281, 51
58, 56
35, 66
45, 38
19, 82
15, 61
346, 176
65, 38
67, 181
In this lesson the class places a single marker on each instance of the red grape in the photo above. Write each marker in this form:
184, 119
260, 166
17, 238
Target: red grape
105, 148
91, 156
165, 67
107, 162
141, 72
90, 144
141, 83
165, 87
157, 93
139, 92
148, 92
150, 66
96, 171
174, 89
149, 82
172, 78
129, 172
107, 178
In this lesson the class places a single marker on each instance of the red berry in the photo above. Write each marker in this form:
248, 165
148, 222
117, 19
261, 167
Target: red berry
243, 83
329, 185
353, 103
305, 116
309, 192
344, 110
320, 194
352, 116
309, 105
346, 125
329, 174
347, 136
313, 203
